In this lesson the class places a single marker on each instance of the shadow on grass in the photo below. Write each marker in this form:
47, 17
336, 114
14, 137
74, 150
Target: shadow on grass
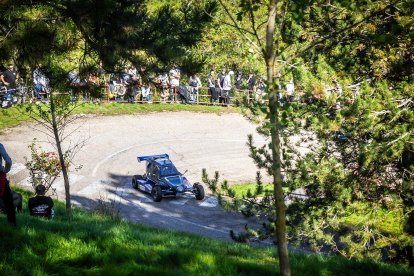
93, 244
89, 243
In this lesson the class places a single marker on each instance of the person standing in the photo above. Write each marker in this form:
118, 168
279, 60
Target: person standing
175, 75
195, 84
239, 81
290, 90
40, 82
251, 84
164, 83
9, 78
5, 191
212, 92
226, 88
146, 93
219, 88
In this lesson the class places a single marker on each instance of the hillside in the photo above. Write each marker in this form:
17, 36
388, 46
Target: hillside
93, 244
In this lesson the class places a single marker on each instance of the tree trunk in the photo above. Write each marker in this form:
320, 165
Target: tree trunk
61, 157
278, 190
269, 55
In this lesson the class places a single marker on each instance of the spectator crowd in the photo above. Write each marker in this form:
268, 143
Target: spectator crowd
134, 85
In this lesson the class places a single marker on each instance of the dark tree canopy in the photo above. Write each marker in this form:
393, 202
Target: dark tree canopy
111, 31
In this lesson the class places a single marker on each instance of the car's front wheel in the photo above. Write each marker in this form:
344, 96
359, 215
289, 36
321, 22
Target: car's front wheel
198, 191
156, 193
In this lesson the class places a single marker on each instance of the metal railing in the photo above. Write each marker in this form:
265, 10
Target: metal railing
202, 97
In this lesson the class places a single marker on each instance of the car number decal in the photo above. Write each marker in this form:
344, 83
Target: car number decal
142, 187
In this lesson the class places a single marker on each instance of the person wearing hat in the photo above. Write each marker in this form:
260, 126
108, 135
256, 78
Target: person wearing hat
41, 205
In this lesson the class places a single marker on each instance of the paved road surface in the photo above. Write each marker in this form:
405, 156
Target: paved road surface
193, 141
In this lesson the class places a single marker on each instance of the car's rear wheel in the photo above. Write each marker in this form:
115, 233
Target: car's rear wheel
156, 193
199, 191
134, 183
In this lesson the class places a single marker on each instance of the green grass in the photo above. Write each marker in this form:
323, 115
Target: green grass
90, 244
243, 188
12, 117
123, 108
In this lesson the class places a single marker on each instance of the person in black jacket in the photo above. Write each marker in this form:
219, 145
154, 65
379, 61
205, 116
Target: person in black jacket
41, 205
5, 191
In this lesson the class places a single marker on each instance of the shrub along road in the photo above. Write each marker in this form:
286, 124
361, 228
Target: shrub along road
193, 141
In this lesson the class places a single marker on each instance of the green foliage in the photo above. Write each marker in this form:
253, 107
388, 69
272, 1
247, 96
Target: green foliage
223, 47
76, 34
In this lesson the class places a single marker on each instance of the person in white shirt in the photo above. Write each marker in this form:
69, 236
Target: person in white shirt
175, 76
226, 88
290, 90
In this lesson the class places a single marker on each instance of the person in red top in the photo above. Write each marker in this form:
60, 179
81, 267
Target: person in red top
5, 191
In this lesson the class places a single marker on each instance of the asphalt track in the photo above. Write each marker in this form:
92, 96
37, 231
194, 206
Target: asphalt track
193, 140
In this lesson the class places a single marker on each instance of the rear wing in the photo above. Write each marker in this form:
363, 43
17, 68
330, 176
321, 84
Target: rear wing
152, 157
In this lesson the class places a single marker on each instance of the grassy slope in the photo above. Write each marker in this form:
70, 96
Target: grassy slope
12, 117
93, 244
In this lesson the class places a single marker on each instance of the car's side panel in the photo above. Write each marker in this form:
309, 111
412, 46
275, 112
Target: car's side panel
145, 185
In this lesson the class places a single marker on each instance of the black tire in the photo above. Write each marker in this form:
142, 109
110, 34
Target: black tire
134, 182
199, 191
156, 193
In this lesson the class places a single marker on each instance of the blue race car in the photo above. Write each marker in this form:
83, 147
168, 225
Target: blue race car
163, 179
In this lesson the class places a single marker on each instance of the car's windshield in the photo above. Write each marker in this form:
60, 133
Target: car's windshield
168, 170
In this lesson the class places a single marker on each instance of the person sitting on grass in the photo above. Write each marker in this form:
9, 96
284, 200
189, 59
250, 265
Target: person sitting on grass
41, 205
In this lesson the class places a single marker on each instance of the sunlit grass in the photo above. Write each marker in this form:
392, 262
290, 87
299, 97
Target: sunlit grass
14, 116
93, 244
242, 189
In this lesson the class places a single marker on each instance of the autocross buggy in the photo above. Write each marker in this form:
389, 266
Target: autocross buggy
163, 179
